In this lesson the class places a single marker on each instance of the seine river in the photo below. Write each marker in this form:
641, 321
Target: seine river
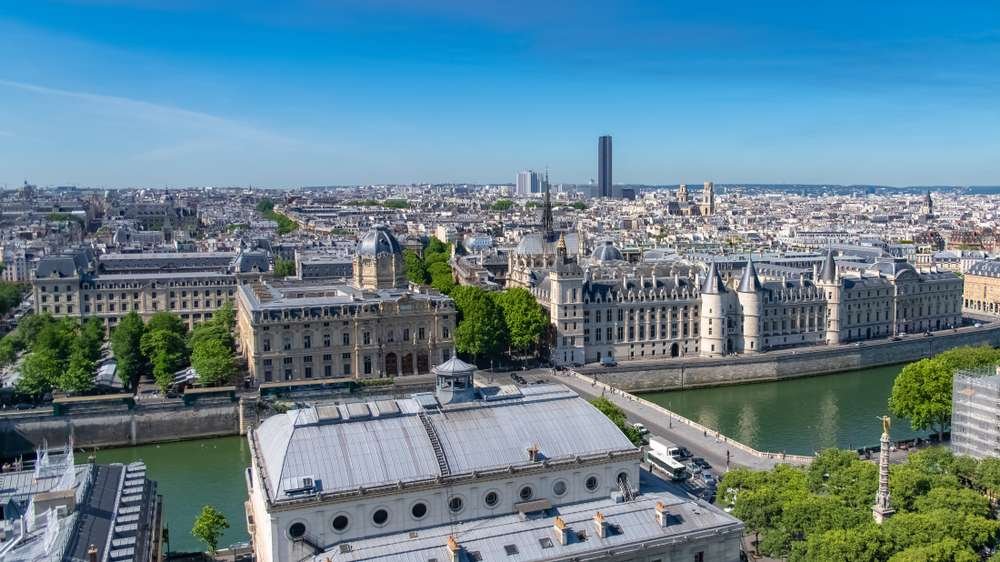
795, 416
191, 474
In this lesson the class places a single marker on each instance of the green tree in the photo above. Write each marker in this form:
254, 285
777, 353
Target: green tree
225, 316
166, 352
92, 338
209, 526
863, 544
481, 332
617, 417
988, 476
416, 271
10, 296
502, 205
8, 351
39, 373
212, 359
442, 278
167, 321
525, 319
947, 550
265, 206
78, 377
126, 340
922, 391
283, 267
955, 500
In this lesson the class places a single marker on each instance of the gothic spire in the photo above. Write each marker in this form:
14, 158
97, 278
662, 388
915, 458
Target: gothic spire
548, 224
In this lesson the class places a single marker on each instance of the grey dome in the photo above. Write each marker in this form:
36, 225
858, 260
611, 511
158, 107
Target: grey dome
379, 241
606, 251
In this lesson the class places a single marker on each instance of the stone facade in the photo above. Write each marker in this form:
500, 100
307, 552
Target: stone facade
982, 288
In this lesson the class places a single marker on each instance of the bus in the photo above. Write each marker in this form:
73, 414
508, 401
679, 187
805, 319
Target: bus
667, 464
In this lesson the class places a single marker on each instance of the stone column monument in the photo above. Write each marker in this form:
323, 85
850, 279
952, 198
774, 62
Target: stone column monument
882, 509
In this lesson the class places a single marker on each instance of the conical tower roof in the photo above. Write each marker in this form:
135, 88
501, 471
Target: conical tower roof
713, 282
749, 283
829, 270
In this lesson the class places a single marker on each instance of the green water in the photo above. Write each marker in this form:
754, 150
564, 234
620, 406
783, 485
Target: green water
796, 416
191, 474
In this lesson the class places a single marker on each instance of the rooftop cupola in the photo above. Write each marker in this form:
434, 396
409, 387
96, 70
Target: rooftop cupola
455, 381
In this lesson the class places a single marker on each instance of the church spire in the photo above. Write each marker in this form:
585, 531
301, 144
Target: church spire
548, 224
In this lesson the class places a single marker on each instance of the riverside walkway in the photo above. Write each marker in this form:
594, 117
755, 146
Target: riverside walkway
700, 440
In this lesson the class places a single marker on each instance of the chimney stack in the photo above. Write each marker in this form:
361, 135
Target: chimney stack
92, 553
601, 526
662, 515
454, 549
562, 532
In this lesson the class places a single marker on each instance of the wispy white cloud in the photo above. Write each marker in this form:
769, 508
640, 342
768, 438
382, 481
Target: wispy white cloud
164, 115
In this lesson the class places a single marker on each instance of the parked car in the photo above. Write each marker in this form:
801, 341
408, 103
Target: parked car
679, 452
640, 428
702, 463
608, 361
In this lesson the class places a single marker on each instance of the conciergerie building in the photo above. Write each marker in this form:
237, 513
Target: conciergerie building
468, 473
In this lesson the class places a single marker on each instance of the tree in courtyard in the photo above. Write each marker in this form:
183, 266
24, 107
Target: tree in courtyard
922, 390
284, 268
988, 476
209, 526
481, 332
212, 359
525, 319
947, 550
442, 278
416, 271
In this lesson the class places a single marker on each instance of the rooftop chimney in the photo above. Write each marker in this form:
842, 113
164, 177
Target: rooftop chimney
600, 525
662, 515
562, 532
454, 549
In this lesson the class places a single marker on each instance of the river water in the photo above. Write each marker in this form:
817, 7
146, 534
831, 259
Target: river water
795, 416
190, 474
798, 416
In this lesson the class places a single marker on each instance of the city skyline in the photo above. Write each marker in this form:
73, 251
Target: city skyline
117, 94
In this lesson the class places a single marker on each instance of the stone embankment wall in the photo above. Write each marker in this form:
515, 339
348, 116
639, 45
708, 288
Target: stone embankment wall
670, 374
116, 421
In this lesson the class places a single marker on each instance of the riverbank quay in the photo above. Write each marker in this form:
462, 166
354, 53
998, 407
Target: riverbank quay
704, 442
696, 372
122, 420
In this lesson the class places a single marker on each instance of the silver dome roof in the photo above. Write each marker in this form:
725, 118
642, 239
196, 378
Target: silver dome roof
606, 251
379, 241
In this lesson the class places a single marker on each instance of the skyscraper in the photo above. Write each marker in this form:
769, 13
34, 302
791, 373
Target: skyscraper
605, 185
528, 182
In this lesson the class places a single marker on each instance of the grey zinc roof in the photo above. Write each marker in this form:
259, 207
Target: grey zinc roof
377, 443
343, 456
377, 241
491, 537
986, 268
559, 422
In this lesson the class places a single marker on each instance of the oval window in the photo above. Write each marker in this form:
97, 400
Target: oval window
340, 522
297, 530
491, 499
418, 510
559, 488
380, 517
591, 483
527, 493
455, 504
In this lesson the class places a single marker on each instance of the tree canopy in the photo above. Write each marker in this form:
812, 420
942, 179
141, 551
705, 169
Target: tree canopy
823, 512
283, 267
209, 526
617, 416
481, 331
524, 318
61, 353
922, 390
126, 341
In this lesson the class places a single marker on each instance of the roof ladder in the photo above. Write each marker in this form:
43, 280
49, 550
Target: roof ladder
435, 443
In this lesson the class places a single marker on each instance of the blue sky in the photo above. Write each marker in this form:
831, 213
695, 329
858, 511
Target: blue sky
120, 93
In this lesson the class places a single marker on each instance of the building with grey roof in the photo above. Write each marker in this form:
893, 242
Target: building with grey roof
61, 511
468, 472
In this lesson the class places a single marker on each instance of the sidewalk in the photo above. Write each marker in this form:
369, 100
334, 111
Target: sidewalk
706, 444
